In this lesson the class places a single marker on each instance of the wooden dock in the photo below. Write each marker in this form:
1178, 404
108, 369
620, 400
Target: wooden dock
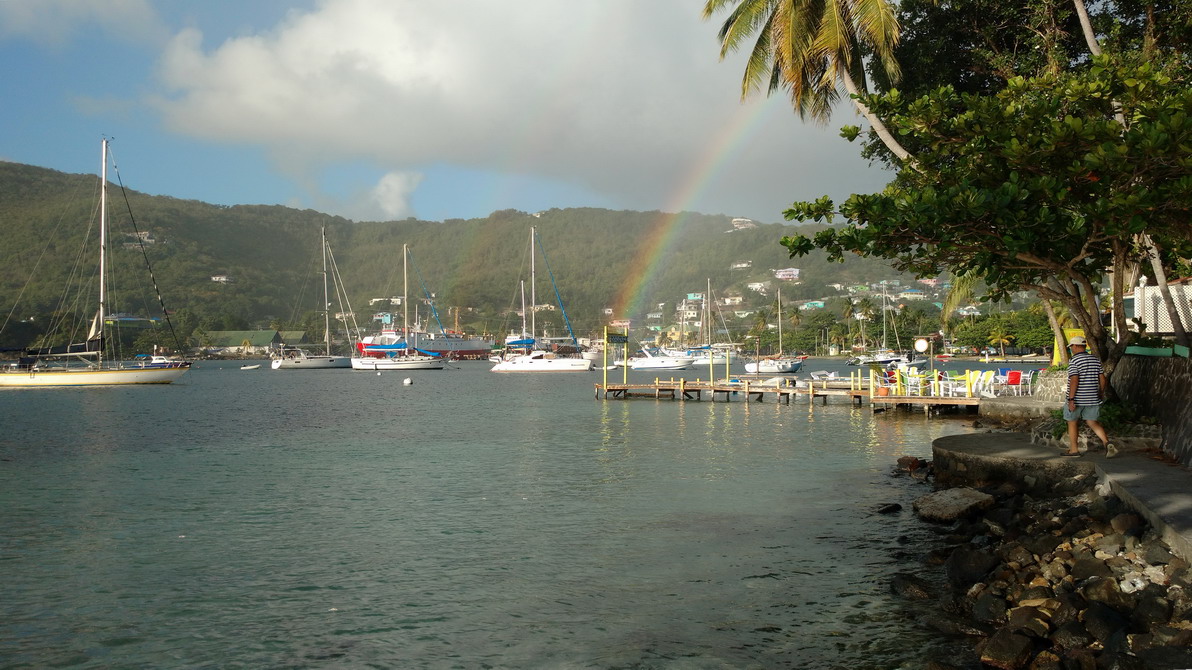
856, 390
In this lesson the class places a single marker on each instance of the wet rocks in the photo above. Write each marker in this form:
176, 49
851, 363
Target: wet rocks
1078, 582
951, 504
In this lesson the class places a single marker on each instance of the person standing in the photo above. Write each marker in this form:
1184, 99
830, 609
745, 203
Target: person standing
1086, 391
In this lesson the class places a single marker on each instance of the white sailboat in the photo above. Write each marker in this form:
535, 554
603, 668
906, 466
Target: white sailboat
533, 359
779, 364
84, 364
387, 352
297, 358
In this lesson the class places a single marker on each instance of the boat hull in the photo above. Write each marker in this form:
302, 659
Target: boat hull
775, 366
379, 364
536, 364
311, 363
91, 377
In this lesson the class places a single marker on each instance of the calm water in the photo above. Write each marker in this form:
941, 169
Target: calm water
270, 519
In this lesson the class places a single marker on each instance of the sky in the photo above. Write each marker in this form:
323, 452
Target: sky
380, 110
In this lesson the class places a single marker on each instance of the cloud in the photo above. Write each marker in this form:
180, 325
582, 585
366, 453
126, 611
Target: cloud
619, 97
392, 194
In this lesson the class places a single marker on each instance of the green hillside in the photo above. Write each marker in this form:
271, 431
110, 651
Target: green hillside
271, 253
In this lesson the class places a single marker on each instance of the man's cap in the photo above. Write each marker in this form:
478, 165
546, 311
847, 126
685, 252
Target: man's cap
1078, 340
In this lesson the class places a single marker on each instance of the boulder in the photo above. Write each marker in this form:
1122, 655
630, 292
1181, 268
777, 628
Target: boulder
1007, 650
911, 586
951, 504
967, 565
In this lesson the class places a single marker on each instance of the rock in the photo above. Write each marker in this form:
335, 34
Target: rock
888, 508
1007, 650
910, 463
1102, 621
1111, 544
1107, 592
1042, 545
951, 504
1151, 612
911, 586
1071, 635
1086, 566
1030, 620
1046, 660
968, 565
1128, 523
989, 608
1156, 554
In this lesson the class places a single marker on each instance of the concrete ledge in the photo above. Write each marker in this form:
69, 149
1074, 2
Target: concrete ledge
1159, 491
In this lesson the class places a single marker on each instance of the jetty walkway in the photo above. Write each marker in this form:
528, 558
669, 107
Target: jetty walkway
858, 388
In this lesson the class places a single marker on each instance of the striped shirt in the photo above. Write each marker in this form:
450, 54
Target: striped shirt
1088, 369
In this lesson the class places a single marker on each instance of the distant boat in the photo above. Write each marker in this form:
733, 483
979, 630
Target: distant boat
250, 367
297, 358
649, 361
527, 357
83, 363
389, 351
777, 365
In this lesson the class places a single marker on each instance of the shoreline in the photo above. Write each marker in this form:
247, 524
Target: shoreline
1076, 579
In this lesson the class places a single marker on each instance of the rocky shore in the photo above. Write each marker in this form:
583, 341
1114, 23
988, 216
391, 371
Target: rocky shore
1071, 583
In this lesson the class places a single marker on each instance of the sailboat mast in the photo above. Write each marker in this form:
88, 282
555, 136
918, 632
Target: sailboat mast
405, 295
780, 322
326, 299
533, 287
100, 325
707, 320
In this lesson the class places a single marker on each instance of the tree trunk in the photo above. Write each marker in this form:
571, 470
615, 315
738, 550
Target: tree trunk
878, 126
1177, 325
1056, 329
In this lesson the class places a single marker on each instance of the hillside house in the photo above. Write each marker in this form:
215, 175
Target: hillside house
761, 287
787, 274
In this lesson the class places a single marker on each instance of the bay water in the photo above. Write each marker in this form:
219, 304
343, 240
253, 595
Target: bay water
335, 518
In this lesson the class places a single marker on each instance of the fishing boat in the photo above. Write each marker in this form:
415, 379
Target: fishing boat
297, 358
93, 361
391, 351
527, 356
779, 364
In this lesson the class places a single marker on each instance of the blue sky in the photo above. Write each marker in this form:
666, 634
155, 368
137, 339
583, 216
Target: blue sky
385, 109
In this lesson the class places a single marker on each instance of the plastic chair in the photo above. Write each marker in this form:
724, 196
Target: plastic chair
1013, 383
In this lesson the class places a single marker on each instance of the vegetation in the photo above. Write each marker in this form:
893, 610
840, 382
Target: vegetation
272, 260
1030, 160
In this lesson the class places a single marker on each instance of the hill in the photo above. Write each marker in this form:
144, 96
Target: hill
270, 255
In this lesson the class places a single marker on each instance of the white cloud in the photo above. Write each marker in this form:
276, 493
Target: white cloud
392, 194
620, 97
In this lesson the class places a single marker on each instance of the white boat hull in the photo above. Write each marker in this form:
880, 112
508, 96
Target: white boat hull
65, 376
535, 363
775, 366
660, 363
311, 363
397, 363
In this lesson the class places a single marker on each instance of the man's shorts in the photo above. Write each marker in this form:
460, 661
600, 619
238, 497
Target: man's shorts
1086, 412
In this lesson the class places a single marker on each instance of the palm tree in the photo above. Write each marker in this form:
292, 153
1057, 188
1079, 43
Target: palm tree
813, 49
1000, 338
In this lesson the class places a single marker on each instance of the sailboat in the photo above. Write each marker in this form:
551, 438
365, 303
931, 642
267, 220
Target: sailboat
297, 358
83, 363
776, 365
530, 358
388, 351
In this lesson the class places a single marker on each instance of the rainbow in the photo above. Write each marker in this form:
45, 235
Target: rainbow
663, 231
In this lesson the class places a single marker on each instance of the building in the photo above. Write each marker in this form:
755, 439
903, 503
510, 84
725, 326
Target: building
1147, 311
761, 287
787, 274
742, 265
743, 224
222, 279
244, 342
